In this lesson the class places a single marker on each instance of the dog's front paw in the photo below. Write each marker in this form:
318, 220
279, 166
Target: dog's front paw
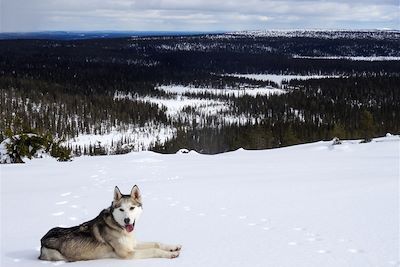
175, 248
174, 255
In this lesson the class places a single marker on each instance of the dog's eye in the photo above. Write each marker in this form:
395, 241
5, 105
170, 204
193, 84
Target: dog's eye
121, 209
132, 208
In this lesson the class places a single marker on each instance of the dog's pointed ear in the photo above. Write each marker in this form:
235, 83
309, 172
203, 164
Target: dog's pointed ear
117, 194
135, 193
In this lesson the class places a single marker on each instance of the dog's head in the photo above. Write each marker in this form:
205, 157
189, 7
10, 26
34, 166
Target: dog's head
126, 209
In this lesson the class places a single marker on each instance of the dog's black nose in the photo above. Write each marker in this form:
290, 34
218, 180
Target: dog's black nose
127, 220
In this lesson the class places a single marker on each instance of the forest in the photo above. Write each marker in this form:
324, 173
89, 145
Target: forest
67, 88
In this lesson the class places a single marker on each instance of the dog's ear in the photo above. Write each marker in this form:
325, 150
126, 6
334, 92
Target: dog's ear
135, 194
117, 194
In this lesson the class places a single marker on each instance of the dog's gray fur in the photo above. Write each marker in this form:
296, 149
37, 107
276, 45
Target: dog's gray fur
104, 236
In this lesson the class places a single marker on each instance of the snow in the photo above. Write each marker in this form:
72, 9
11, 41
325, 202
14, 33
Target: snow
308, 205
202, 110
178, 89
279, 78
139, 138
176, 105
322, 33
357, 58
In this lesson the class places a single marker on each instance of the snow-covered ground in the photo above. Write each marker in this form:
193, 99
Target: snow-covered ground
279, 78
178, 89
359, 58
138, 138
208, 112
306, 205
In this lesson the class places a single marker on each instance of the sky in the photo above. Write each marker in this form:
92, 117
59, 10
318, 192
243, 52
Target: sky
196, 15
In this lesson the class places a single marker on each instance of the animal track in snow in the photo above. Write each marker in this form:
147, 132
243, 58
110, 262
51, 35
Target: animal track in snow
355, 251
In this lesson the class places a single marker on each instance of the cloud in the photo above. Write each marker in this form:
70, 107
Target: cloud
33, 15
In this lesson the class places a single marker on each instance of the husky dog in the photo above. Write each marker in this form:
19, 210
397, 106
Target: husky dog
109, 235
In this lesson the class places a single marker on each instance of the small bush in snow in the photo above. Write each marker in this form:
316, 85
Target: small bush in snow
17, 147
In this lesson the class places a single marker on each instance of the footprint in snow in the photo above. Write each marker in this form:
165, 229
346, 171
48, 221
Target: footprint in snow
66, 194
61, 202
58, 213
355, 251
94, 176
242, 217
323, 251
292, 243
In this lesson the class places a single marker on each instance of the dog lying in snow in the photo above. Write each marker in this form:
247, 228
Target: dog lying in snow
109, 235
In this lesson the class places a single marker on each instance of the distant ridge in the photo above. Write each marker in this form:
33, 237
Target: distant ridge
77, 35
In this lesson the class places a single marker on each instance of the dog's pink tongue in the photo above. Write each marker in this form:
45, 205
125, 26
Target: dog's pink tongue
129, 227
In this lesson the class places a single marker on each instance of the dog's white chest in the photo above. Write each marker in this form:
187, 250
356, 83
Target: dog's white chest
128, 241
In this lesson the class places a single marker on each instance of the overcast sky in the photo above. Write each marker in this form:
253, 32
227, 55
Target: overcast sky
196, 15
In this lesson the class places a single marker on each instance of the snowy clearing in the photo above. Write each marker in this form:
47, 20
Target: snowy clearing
178, 89
306, 205
139, 138
279, 78
195, 109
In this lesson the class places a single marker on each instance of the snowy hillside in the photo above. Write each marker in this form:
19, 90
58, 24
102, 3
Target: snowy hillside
306, 205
